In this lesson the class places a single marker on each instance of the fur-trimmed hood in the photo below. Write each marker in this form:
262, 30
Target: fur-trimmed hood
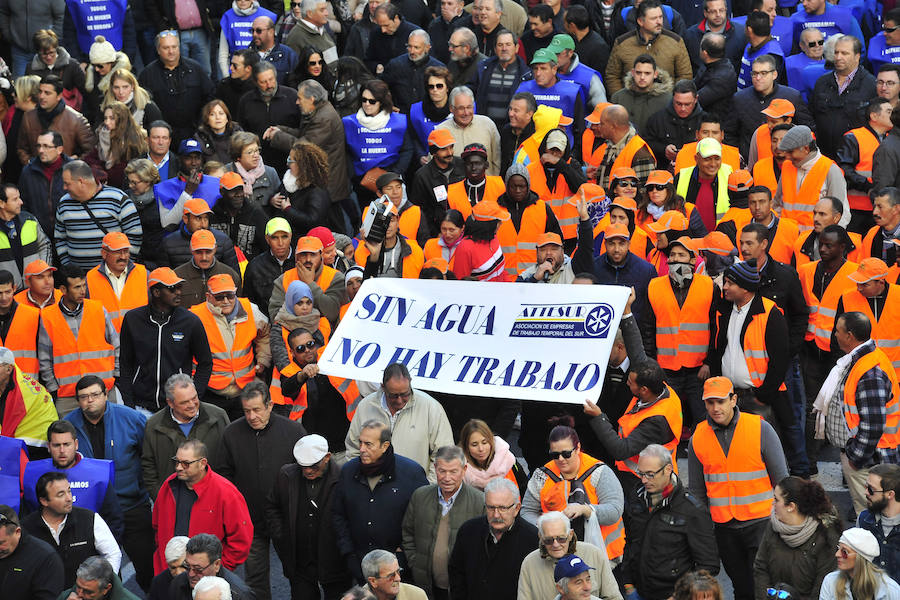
663, 84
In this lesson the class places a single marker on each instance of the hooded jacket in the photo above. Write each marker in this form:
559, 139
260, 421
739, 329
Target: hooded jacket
65, 66
642, 105
567, 167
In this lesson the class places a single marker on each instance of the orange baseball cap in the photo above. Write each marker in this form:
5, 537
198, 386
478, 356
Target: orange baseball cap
549, 238
36, 267
622, 173
717, 243
441, 138
869, 269
116, 240
617, 230
489, 210
203, 239
196, 207
565, 121
659, 177
230, 180
625, 203
165, 276
437, 263
309, 243
594, 117
671, 220
740, 181
220, 283
688, 243
392, 208
717, 387
592, 193
778, 108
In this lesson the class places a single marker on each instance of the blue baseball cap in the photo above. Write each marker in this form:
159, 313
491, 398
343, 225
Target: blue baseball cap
570, 565
189, 146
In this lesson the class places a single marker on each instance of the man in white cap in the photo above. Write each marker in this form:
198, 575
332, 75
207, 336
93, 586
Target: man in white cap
706, 183
299, 509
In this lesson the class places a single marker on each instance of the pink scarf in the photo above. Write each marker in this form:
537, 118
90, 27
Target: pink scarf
499, 467
251, 176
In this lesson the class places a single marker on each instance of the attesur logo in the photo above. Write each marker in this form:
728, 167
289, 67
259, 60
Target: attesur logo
587, 320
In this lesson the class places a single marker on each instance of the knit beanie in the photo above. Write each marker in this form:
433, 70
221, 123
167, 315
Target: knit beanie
517, 169
102, 51
744, 274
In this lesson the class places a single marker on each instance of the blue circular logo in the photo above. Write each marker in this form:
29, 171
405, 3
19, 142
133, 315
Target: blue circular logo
596, 323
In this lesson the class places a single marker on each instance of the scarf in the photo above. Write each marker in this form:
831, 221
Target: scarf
447, 253
46, 117
373, 123
250, 176
433, 112
830, 392
290, 321
103, 146
499, 467
144, 200
290, 182
655, 211
52, 168
380, 466
243, 13
794, 535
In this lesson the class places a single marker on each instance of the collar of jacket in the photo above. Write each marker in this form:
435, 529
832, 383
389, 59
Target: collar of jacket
728, 27
167, 422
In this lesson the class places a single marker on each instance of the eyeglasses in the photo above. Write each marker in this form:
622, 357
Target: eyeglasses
563, 453
224, 296
92, 396
813, 43
844, 552
436, 86
556, 539
98, 65
260, 29
758, 74
627, 183
173, 288
369, 100
872, 490
310, 345
400, 396
185, 464
315, 63
501, 509
780, 594
251, 150
392, 574
883, 83
194, 568
451, 45
649, 474
890, 29
656, 187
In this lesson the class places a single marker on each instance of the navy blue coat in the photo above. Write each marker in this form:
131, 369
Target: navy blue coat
40, 196
889, 559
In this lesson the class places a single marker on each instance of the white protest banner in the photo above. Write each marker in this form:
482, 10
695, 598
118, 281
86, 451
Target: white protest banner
504, 340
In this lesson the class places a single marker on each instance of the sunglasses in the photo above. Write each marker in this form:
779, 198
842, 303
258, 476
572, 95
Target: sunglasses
370, 101
296, 4
656, 186
315, 63
562, 453
167, 32
780, 594
627, 183
173, 288
844, 552
556, 539
872, 490
310, 345
224, 296
436, 86
816, 43
890, 29
98, 65
260, 29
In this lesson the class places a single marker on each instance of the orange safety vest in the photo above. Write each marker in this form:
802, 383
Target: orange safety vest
625, 157
801, 259
409, 222
885, 330
298, 405
90, 354
755, 353
737, 485
782, 246
520, 247
868, 144
822, 311
686, 157
458, 200
589, 158
21, 338
799, 204
670, 408
22, 298
566, 213
682, 333
865, 363
555, 497
639, 245
764, 174
134, 292
324, 280
230, 364
433, 249
868, 241
412, 264
740, 217
763, 143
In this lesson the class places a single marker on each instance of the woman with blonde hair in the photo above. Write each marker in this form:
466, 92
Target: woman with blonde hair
141, 175
857, 577
488, 456
16, 100
104, 61
124, 87
119, 140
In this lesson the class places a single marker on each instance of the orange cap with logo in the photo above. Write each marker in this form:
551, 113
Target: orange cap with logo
203, 239
220, 283
869, 269
717, 387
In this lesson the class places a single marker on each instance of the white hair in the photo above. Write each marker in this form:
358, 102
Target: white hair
460, 90
420, 33
502, 484
549, 517
176, 548
212, 583
660, 453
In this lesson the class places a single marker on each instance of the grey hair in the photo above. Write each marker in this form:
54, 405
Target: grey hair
659, 452
371, 562
563, 584
460, 90
209, 583
450, 453
309, 5
549, 517
498, 5
502, 484
95, 568
420, 33
357, 592
78, 169
811, 30
468, 38
176, 548
205, 543
383, 427
828, 48
178, 380
310, 88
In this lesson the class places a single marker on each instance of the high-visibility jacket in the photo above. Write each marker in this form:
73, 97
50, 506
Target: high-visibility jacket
737, 485
822, 311
558, 198
433, 249
868, 144
687, 157
682, 333
589, 156
722, 202
799, 204
869, 241
21, 339
298, 404
23, 299
670, 408
458, 200
890, 438
624, 159
134, 292
801, 259
740, 216
409, 222
755, 353
235, 364
764, 174
885, 326
639, 245
324, 280
555, 497
89, 354
782, 246
642, 220
411, 264
763, 143
28, 240
520, 247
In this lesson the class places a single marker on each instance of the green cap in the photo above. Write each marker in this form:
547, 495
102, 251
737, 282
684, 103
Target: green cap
278, 224
560, 42
544, 55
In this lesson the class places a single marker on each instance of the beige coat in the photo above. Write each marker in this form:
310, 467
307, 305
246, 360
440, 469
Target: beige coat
536, 577
481, 131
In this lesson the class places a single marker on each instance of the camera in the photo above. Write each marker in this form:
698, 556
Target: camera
377, 219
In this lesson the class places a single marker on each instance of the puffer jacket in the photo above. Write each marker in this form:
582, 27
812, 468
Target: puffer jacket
65, 67
20, 19
264, 187
666, 127
642, 105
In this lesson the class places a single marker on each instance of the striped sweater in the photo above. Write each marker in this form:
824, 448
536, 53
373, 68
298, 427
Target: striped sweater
78, 238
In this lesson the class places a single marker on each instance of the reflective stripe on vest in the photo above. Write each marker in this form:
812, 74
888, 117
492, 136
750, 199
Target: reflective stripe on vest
520, 247
890, 437
27, 238
21, 338
737, 485
670, 408
682, 333
324, 280
722, 202
822, 311
235, 364
348, 390
885, 329
90, 354
134, 292
298, 404
868, 144
558, 199
626, 156
799, 204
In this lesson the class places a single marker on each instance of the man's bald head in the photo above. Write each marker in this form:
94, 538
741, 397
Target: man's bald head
616, 115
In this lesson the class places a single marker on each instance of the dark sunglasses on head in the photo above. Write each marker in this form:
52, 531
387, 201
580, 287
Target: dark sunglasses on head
370, 101
563, 453
310, 345
656, 186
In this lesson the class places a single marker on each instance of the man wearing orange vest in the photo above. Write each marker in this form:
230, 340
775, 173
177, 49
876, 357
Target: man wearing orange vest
614, 144
238, 334
76, 338
18, 326
734, 463
529, 219
826, 212
869, 396
710, 127
855, 156
117, 283
767, 171
781, 232
806, 176
737, 215
412, 224
554, 178
683, 308
393, 256
886, 212
778, 112
477, 186
39, 291
326, 283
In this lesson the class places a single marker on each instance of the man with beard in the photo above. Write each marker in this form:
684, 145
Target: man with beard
405, 74
464, 56
40, 183
882, 515
283, 57
243, 221
232, 88
268, 104
430, 183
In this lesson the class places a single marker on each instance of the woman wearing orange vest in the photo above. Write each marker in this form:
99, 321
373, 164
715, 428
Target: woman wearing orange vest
659, 197
488, 456
580, 486
453, 226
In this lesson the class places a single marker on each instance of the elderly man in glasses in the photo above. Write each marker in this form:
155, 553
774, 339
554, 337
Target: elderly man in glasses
203, 559
812, 46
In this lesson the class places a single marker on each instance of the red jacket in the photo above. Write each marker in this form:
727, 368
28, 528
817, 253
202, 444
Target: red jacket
220, 509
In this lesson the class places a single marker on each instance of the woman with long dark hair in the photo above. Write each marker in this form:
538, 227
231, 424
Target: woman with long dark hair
119, 140
479, 256
453, 228
310, 65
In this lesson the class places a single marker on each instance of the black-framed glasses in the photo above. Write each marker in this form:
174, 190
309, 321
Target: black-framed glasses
890, 29
369, 100
194, 568
310, 345
656, 187
813, 43
555, 539
872, 490
400, 396
563, 453
649, 474
91, 396
184, 463
224, 296
758, 74
776, 593
501, 509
